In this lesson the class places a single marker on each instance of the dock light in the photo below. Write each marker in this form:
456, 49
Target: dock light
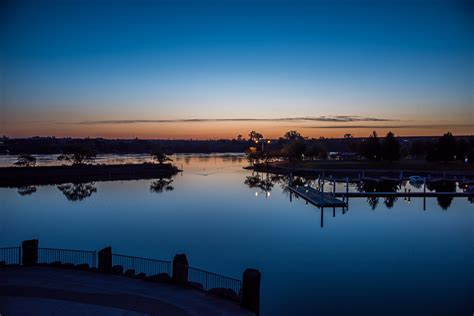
268, 142
256, 142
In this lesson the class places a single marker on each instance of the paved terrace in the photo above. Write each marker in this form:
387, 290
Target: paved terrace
43, 290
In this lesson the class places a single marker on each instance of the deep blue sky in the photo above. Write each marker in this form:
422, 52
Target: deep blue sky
75, 61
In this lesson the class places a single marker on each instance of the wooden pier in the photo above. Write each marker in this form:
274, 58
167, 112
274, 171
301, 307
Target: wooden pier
316, 197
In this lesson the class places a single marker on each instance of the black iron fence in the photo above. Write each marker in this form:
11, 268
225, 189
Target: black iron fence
206, 280
142, 265
184, 274
67, 256
10, 255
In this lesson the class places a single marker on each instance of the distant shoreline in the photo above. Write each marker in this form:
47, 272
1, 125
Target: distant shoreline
43, 175
339, 168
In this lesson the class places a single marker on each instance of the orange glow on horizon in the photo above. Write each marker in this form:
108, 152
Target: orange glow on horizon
217, 130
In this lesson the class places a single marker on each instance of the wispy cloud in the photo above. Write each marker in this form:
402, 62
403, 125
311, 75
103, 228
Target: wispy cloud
337, 119
392, 126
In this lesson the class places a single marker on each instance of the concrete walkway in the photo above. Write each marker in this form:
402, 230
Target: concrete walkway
53, 291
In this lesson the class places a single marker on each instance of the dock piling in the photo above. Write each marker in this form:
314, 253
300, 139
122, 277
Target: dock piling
322, 190
251, 290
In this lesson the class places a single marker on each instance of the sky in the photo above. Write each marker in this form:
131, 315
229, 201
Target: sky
217, 69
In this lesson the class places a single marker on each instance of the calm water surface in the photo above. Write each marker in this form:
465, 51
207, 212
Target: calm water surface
387, 260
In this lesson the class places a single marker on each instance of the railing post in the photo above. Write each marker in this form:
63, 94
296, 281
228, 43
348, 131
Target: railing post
180, 269
30, 252
105, 260
251, 290
94, 258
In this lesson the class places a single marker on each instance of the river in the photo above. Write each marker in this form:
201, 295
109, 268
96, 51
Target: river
383, 257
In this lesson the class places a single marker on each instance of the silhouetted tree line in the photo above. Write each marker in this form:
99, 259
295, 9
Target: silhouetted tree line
52, 145
291, 146
445, 148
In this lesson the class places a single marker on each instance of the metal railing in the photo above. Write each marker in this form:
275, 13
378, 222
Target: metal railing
142, 265
10, 255
208, 280
197, 278
50, 255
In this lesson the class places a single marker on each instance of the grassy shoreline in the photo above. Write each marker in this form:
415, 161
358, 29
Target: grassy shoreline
42, 175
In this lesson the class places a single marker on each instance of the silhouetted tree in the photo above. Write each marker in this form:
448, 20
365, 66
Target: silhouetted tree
294, 150
462, 149
371, 148
470, 155
255, 136
316, 151
292, 136
418, 148
447, 147
444, 150
254, 157
268, 156
390, 148
161, 157
78, 155
25, 160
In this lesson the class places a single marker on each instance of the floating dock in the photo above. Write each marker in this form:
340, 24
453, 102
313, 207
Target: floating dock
403, 194
316, 197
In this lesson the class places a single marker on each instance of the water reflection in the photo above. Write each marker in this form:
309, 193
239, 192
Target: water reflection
77, 191
27, 190
443, 186
161, 184
379, 186
265, 183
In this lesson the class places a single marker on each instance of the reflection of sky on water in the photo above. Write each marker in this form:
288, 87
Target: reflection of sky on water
179, 159
399, 260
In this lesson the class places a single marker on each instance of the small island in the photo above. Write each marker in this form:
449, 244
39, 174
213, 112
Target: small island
82, 169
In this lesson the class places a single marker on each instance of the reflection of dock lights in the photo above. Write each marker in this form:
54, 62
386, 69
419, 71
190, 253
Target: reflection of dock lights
256, 193
267, 194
